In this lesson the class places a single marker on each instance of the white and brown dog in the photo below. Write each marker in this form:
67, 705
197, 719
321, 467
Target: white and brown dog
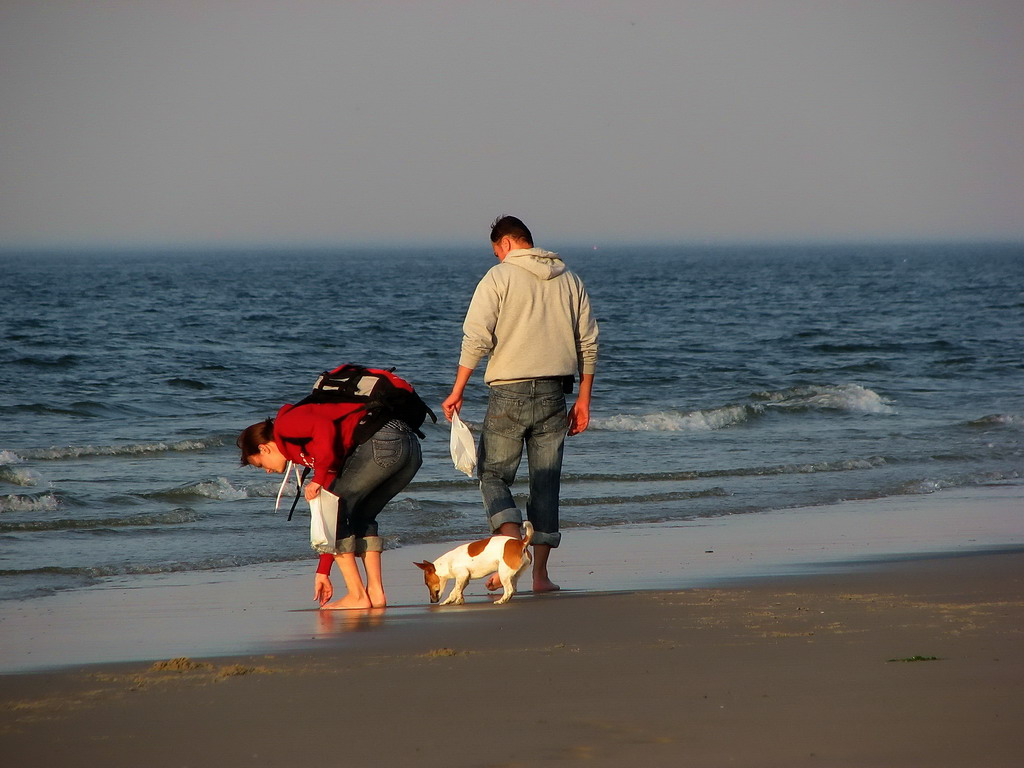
504, 554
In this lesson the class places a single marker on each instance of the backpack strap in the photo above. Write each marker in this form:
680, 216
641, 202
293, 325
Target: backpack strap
298, 492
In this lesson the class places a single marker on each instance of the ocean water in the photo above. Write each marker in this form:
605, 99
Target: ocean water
732, 381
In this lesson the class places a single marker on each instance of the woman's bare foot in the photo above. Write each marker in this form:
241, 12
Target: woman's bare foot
494, 583
377, 597
347, 603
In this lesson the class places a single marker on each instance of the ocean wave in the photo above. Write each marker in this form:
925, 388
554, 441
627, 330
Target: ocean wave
920, 487
680, 421
38, 361
851, 398
845, 465
961, 480
998, 420
832, 348
26, 478
83, 408
24, 585
10, 457
187, 384
58, 453
269, 490
434, 485
220, 489
92, 573
644, 498
16, 502
174, 517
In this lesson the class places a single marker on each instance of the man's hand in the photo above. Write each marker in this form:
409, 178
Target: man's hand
323, 591
452, 404
579, 414
454, 401
312, 491
579, 417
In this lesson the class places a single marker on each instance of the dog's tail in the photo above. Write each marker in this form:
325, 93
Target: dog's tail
528, 527
517, 551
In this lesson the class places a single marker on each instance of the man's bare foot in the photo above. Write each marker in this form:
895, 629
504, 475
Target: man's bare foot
544, 584
347, 603
494, 583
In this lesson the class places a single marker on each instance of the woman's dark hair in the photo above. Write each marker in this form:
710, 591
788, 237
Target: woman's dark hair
253, 437
511, 226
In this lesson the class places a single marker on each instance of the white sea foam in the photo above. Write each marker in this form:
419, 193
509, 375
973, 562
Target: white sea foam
220, 489
919, 487
22, 476
677, 421
79, 451
850, 398
10, 457
839, 397
23, 503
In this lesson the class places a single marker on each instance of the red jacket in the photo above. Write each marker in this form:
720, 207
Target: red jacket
318, 436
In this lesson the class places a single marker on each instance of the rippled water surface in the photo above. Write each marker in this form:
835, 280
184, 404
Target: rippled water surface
731, 381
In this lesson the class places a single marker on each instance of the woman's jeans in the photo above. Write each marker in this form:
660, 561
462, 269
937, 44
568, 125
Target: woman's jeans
374, 473
530, 412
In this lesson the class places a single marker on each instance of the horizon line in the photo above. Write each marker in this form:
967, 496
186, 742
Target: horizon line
462, 243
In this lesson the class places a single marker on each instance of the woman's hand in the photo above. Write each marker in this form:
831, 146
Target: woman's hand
312, 491
323, 591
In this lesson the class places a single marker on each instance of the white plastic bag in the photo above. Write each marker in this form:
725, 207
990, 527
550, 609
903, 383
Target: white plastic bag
462, 445
323, 521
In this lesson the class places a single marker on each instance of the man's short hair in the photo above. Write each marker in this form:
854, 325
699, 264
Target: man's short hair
510, 226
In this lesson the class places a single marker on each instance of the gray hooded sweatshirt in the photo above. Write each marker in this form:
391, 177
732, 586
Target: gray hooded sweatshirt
532, 316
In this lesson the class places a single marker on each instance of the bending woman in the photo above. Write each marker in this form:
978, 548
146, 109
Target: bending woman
354, 482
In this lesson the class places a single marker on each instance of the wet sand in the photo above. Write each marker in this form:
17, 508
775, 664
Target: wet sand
867, 658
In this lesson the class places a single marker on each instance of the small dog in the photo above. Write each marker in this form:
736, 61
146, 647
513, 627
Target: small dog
504, 554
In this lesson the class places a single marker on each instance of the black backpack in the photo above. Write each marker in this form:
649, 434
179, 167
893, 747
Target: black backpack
385, 395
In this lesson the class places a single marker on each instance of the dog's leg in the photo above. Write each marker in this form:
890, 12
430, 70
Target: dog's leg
508, 582
512, 585
455, 598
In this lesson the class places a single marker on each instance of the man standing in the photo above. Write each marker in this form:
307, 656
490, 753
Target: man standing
532, 316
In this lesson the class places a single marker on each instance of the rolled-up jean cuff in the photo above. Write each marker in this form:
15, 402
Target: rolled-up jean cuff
346, 546
369, 544
511, 515
550, 539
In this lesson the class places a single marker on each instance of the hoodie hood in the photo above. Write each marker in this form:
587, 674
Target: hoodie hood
543, 264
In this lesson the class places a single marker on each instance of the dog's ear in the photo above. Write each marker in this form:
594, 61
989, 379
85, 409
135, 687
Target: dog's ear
425, 565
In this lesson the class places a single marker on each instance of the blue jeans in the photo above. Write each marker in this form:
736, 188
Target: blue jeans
531, 413
375, 472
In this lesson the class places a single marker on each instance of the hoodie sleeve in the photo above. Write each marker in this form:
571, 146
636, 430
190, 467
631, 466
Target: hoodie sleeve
586, 334
478, 329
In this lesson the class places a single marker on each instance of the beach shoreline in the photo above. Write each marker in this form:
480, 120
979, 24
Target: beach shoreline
269, 608
907, 662
878, 633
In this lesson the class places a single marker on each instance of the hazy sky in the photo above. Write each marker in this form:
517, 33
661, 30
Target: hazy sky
258, 122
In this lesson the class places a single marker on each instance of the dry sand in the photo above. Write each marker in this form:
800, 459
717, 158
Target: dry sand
914, 662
